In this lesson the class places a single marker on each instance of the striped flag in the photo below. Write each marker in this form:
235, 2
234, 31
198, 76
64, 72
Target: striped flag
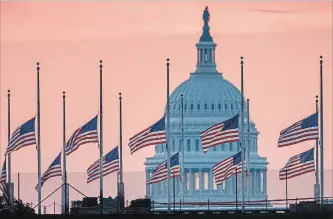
226, 168
153, 135
3, 182
304, 130
110, 165
83, 135
220, 133
54, 170
298, 165
161, 171
23, 136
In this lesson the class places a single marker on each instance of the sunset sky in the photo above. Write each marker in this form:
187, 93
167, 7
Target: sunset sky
281, 44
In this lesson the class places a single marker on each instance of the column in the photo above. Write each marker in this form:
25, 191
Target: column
192, 181
255, 182
201, 55
265, 182
147, 185
198, 56
210, 182
201, 180
259, 180
185, 180
252, 181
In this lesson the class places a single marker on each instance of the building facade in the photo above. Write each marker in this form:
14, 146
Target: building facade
208, 99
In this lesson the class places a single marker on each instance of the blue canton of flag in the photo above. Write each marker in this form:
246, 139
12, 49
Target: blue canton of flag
110, 164
153, 135
161, 171
54, 170
3, 182
220, 133
226, 168
23, 136
304, 130
83, 135
298, 165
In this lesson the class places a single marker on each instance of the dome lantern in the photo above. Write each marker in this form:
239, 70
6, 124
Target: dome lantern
206, 48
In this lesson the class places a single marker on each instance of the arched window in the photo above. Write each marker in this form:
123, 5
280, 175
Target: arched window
223, 147
238, 146
212, 106
206, 107
219, 106
185, 106
173, 145
188, 145
198, 106
230, 146
196, 144
225, 106
232, 107
174, 106
191, 106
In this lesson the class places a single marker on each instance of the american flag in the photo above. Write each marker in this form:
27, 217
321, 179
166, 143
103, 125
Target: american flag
153, 135
54, 170
161, 171
110, 165
3, 184
83, 135
220, 133
298, 165
304, 130
226, 168
23, 136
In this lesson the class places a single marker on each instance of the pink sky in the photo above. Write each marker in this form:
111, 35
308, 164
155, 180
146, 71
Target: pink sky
281, 44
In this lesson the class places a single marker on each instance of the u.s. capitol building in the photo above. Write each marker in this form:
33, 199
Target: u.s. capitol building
208, 99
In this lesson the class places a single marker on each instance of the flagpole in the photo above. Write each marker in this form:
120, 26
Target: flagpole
242, 133
183, 148
101, 135
168, 137
121, 195
248, 152
9, 158
64, 198
286, 189
317, 163
321, 136
38, 143
236, 191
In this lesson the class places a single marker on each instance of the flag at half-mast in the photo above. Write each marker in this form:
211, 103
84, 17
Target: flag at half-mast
23, 136
110, 165
83, 135
303, 130
152, 135
161, 171
54, 170
220, 133
227, 167
3, 182
298, 165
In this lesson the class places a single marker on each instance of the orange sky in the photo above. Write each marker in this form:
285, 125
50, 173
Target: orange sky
281, 44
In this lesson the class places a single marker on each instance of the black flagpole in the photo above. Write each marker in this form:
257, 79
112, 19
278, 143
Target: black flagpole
38, 144
101, 136
65, 210
9, 158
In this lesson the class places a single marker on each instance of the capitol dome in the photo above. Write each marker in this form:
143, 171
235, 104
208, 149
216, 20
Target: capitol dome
206, 95
208, 98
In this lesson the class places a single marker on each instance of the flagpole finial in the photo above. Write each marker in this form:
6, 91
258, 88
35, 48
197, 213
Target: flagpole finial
8, 93
38, 66
63, 94
242, 62
101, 64
321, 59
120, 97
168, 64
